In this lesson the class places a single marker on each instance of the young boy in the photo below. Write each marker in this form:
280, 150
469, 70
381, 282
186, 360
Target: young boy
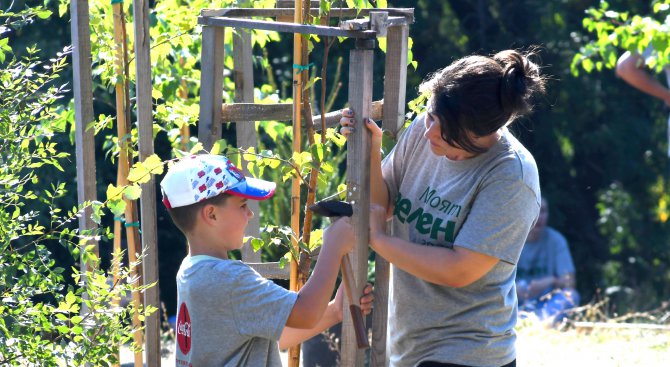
228, 315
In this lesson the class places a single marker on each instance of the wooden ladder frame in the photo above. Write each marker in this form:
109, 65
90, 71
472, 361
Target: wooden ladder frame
390, 23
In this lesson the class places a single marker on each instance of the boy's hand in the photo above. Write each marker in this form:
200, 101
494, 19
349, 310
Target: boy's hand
366, 300
377, 222
347, 122
339, 236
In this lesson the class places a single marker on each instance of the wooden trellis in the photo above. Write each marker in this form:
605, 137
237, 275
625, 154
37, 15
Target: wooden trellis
390, 23
85, 151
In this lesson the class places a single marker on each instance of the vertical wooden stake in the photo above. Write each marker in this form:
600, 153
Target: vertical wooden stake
395, 81
211, 85
358, 183
83, 107
243, 75
148, 197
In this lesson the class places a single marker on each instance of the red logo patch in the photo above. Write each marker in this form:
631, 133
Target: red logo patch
184, 329
201, 173
218, 170
219, 184
202, 187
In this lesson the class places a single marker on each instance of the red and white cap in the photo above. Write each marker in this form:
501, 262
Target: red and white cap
200, 177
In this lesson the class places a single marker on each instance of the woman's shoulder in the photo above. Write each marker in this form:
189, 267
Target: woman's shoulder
512, 157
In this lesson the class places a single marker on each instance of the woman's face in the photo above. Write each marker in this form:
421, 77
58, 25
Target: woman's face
437, 145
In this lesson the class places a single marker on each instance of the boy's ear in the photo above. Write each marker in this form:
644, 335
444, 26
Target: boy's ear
208, 214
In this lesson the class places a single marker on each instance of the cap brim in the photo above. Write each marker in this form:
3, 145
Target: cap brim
253, 188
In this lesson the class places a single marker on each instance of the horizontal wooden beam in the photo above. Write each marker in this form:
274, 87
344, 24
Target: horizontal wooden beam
284, 27
364, 24
407, 13
231, 112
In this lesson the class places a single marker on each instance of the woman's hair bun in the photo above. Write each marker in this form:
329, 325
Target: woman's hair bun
521, 79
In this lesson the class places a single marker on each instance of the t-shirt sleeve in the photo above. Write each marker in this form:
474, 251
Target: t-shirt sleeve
260, 307
564, 264
393, 165
500, 219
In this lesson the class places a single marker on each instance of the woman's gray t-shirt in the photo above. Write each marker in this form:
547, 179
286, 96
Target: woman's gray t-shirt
487, 204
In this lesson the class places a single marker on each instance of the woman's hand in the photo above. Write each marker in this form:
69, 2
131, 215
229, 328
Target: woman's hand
377, 222
347, 122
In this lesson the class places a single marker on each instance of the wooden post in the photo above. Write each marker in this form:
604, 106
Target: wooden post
211, 85
148, 198
395, 81
358, 184
243, 74
83, 107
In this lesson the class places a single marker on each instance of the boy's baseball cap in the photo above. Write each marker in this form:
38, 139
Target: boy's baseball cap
200, 177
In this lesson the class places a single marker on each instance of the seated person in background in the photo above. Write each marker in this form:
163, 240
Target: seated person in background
545, 280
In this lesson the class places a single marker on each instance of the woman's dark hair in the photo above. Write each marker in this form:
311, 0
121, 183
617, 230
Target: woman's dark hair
184, 217
480, 94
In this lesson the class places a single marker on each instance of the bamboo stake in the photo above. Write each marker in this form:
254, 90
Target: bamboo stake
298, 85
182, 92
122, 124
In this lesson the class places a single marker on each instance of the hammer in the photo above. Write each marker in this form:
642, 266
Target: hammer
334, 208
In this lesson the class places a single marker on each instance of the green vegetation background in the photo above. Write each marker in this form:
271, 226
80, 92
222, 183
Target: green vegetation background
600, 145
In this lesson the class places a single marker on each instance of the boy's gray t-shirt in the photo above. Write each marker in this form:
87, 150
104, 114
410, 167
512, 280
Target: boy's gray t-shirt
487, 204
228, 314
548, 256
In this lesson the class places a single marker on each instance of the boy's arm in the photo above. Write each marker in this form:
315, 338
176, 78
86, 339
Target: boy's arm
338, 239
292, 336
333, 315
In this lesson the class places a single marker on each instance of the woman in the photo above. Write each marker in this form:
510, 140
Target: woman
464, 193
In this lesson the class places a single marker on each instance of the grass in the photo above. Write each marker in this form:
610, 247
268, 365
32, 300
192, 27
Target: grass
539, 346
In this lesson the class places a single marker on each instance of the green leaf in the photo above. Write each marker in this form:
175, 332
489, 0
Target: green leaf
257, 244
587, 64
218, 147
132, 192
43, 14
141, 171
96, 216
117, 207
197, 148
113, 192
70, 298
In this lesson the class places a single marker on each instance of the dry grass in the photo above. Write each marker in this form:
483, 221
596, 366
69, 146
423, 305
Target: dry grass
539, 346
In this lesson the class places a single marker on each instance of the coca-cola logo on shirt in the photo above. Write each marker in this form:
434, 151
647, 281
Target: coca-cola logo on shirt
184, 329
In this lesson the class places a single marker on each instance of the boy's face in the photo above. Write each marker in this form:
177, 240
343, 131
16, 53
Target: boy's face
232, 219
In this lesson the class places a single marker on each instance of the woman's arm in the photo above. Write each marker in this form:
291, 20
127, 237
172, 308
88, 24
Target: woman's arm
380, 194
630, 68
457, 267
